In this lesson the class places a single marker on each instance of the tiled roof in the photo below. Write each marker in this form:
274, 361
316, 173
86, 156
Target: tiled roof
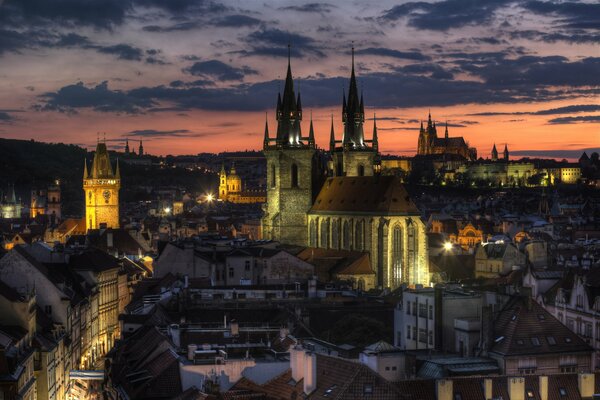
93, 259
330, 262
524, 327
379, 195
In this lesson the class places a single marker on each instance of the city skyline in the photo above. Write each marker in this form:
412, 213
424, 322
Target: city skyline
193, 76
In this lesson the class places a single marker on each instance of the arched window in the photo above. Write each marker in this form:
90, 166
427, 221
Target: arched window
335, 236
294, 175
358, 235
313, 233
324, 236
413, 273
361, 170
397, 255
272, 175
346, 235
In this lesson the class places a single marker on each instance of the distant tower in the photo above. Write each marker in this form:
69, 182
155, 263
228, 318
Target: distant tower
355, 157
494, 153
505, 153
427, 137
101, 186
37, 206
54, 202
291, 164
141, 149
223, 183
126, 146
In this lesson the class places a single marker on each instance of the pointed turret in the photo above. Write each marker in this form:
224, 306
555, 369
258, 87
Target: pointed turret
311, 133
375, 138
422, 129
12, 198
266, 139
332, 137
505, 152
446, 133
494, 153
126, 146
353, 115
289, 113
101, 167
85, 169
141, 149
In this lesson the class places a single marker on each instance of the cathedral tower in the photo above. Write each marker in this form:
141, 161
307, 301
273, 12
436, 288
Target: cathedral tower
223, 183
355, 157
291, 164
101, 186
505, 152
494, 153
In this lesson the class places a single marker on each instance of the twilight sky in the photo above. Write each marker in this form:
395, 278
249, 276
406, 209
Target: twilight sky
190, 76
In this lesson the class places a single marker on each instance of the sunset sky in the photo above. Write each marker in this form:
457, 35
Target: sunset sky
190, 76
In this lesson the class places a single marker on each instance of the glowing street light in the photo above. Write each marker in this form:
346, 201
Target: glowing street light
210, 197
448, 246
167, 210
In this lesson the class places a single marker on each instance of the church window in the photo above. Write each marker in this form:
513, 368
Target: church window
313, 233
361, 170
272, 175
397, 255
335, 238
294, 175
412, 247
358, 235
346, 235
324, 236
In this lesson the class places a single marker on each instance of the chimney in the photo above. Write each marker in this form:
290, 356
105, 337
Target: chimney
516, 388
297, 362
310, 372
487, 388
444, 389
543, 387
586, 383
109, 240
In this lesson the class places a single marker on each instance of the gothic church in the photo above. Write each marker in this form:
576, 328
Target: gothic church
354, 208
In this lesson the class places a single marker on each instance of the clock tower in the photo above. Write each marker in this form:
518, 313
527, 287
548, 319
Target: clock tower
101, 186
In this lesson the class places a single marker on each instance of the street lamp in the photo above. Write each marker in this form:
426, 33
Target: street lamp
167, 210
210, 197
447, 246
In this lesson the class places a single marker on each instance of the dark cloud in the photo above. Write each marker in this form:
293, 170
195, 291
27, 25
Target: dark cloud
383, 52
445, 14
434, 71
5, 117
273, 43
579, 37
99, 98
179, 7
102, 14
575, 120
570, 13
155, 133
123, 51
219, 70
310, 8
576, 108
236, 21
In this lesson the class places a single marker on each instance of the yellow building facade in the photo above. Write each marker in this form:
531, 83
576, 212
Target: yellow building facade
101, 186
230, 189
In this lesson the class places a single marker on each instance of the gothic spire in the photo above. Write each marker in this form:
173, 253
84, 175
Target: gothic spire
446, 133
494, 153
332, 137
289, 113
353, 115
85, 170
375, 138
266, 139
118, 171
311, 133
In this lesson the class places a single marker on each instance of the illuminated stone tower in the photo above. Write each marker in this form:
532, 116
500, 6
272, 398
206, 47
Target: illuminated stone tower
223, 184
101, 187
356, 156
291, 169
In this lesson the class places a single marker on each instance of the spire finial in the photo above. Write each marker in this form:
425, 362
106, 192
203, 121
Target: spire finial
353, 55
289, 53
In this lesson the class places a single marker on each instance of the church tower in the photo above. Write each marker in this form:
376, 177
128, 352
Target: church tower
223, 183
354, 157
141, 149
101, 186
291, 164
505, 152
494, 153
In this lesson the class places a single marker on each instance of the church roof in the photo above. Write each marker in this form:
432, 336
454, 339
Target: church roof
379, 195
450, 142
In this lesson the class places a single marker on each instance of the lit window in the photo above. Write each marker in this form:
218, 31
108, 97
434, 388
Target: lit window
562, 392
530, 394
368, 388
